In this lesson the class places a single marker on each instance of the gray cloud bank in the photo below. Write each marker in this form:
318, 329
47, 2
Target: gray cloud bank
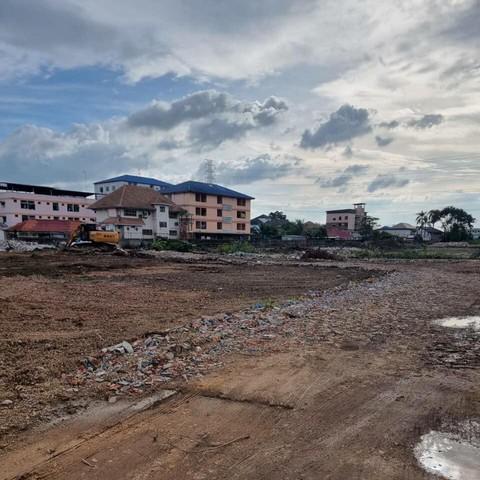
346, 123
386, 181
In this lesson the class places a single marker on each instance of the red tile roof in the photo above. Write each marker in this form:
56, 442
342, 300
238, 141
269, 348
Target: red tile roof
131, 196
46, 226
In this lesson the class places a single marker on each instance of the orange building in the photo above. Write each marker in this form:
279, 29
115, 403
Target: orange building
217, 212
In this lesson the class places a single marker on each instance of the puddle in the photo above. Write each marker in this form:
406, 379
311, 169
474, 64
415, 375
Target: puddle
460, 322
454, 456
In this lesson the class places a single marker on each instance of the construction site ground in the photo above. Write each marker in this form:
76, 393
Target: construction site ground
340, 371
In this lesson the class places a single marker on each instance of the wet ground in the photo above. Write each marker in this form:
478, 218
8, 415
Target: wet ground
347, 384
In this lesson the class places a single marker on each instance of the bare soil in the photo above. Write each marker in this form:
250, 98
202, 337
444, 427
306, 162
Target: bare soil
349, 399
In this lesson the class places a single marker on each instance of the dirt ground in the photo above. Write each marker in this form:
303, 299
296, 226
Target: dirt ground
349, 399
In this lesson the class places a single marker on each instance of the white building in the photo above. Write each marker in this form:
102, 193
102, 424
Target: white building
19, 202
105, 187
476, 233
140, 215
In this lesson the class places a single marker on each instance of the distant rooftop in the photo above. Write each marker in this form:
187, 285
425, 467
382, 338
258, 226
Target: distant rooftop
136, 179
207, 188
41, 190
344, 210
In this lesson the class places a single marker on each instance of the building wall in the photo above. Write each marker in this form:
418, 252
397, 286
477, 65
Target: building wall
102, 189
157, 220
341, 220
11, 211
229, 214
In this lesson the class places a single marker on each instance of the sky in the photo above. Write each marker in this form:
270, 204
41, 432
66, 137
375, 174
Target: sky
307, 105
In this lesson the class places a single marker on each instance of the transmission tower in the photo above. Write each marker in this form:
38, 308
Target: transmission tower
209, 171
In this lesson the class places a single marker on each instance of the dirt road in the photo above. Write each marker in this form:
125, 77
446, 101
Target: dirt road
349, 381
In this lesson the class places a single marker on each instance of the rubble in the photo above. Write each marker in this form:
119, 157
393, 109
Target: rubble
19, 246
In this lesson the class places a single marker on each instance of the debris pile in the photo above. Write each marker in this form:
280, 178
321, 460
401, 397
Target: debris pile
183, 352
319, 254
19, 246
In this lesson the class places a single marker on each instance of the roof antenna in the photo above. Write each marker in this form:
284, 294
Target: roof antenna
209, 171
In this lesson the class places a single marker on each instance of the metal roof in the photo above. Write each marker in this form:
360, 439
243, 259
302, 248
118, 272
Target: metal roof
136, 179
207, 188
46, 226
41, 190
345, 210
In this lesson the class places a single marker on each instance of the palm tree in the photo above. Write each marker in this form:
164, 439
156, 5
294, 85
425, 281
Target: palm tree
422, 222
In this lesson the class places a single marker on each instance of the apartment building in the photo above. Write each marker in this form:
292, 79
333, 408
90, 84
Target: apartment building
217, 212
345, 223
140, 215
105, 187
20, 202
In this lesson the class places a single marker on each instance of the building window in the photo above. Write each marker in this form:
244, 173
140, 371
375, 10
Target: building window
162, 208
240, 226
162, 224
56, 218
92, 219
2, 204
219, 199
55, 206
201, 211
27, 204
101, 189
130, 212
241, 214
3, 219
147, 232
172, 233
71, 207
201, 197
219, 212
219, 225
201, 225
241, 202
27, 217
107, 189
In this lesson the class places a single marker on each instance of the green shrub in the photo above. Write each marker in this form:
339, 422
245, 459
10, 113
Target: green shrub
235, 247
175, 245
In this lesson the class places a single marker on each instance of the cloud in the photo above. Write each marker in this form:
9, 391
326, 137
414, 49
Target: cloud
344, 178
262, 167
390, 125
383, 141
210, 117
40, 155
346, 123
386, 181
427, 121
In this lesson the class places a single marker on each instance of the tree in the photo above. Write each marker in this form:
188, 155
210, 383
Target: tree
457, 224
422, 222
367, 226
434, 216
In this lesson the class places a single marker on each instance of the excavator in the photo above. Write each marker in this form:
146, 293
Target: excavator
87, 234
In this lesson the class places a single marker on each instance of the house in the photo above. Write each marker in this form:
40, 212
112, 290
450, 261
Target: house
400, 230
410, 232
257, 222
48, 231
141, 215
345, 223
20, 202
476, 233
217, 212
105, 187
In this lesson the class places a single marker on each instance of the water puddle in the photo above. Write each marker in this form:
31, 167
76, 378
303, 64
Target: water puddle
453, 455
460, 322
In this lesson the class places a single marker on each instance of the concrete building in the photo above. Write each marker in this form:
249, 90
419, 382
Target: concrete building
476, 233
19, 202
141, 215
217, 212
400, 230
105, 187
345, 223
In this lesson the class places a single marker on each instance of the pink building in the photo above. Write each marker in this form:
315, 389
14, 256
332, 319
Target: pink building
347, 221
19, 203
217, 212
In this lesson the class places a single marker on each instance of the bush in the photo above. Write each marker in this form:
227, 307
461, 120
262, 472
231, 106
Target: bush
175, 245
235, 247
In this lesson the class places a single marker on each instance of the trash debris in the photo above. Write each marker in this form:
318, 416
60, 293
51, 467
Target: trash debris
19, 246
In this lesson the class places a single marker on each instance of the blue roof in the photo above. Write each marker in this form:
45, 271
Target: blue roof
207, 188
136, 179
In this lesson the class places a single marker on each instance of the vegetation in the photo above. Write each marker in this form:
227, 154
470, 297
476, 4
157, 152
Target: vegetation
235, 247
456, 223
278, 225
175, 245
369, 224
